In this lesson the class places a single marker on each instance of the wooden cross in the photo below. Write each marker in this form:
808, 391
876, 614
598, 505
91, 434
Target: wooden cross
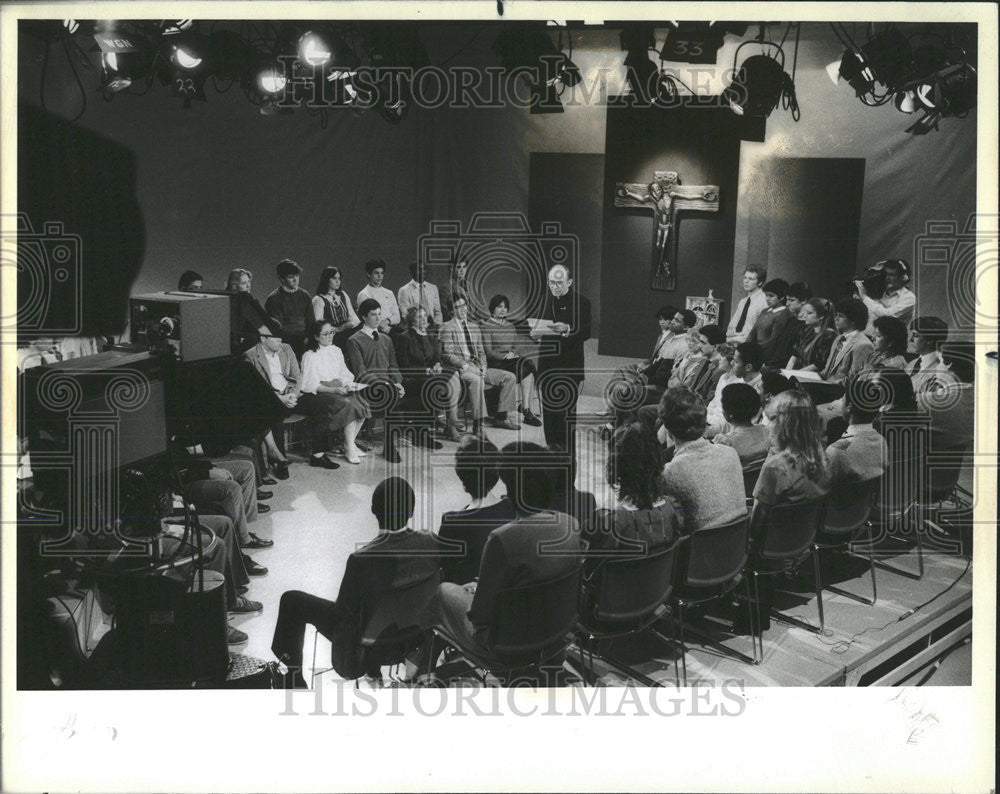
665, 196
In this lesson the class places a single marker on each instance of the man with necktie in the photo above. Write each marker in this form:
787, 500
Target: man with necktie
461, 342
560, 364
928, 371
748, 309
419, 292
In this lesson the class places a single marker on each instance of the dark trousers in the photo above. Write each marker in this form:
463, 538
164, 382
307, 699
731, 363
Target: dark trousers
298, 609
559, 399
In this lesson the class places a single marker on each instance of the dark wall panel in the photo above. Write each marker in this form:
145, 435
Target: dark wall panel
703, 146
804, 214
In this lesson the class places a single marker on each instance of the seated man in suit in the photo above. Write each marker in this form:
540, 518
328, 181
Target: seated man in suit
701, 370
420, 292
462, 349
275, 362
861, 453
537, 546
952, 407
747, 361
396, 557
928, 370
372, 358
463, 533
851, 353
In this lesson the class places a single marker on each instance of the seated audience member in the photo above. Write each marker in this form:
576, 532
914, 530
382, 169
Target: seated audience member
252, 320
678, 346
889, 340
861, 453
705, 478
645, 519
372, 358
701, 370
952, 407
770, 326
798, 293
330, 395
391, 318
397, 557
747, 361
566, 497
290, 305
332, 304
746, 311
425, 380
190, 280
811, 348
852, 351
897, 300
795, 470
275, 362
771, 385
457, 284
796, 467
461, 344
510, 350
420, 292
928, 370
903, 424
741, 405
669, 345
464, 532
537, 546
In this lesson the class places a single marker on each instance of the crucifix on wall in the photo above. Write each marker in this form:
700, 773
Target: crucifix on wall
665, 196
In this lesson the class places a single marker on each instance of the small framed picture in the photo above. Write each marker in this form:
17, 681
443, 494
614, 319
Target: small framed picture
708, 310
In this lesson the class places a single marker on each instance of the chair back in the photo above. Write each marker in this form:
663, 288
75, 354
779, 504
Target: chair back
787, 530
716, 555
943, 470
633, 588
529, 619
848, 506
751, 473
398, 616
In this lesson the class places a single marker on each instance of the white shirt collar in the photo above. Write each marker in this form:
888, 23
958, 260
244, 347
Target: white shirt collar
930, 359
369, 331
853, 430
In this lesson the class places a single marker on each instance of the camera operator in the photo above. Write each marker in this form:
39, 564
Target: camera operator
896, 300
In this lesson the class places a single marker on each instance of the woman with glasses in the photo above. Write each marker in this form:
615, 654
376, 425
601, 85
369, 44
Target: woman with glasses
330, 395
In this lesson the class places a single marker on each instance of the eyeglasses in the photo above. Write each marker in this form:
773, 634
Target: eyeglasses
326, 333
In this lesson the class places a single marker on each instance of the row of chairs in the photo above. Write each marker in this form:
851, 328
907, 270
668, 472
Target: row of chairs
548, 622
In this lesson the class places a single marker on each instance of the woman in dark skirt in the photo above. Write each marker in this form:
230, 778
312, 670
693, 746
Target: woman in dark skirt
429, 386
330, 394
508, 349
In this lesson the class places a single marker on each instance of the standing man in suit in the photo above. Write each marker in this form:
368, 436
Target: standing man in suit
372, 358
560, 365
418, 292
461, 342
750, 307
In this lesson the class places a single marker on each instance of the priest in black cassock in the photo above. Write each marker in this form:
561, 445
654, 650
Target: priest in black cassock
560, 366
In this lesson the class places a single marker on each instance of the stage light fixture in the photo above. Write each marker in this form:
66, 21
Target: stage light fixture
126, 56
314, 50
951, 92
640, 70
531, 47
760, 84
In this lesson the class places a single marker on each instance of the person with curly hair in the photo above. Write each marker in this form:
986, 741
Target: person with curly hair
705, 478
